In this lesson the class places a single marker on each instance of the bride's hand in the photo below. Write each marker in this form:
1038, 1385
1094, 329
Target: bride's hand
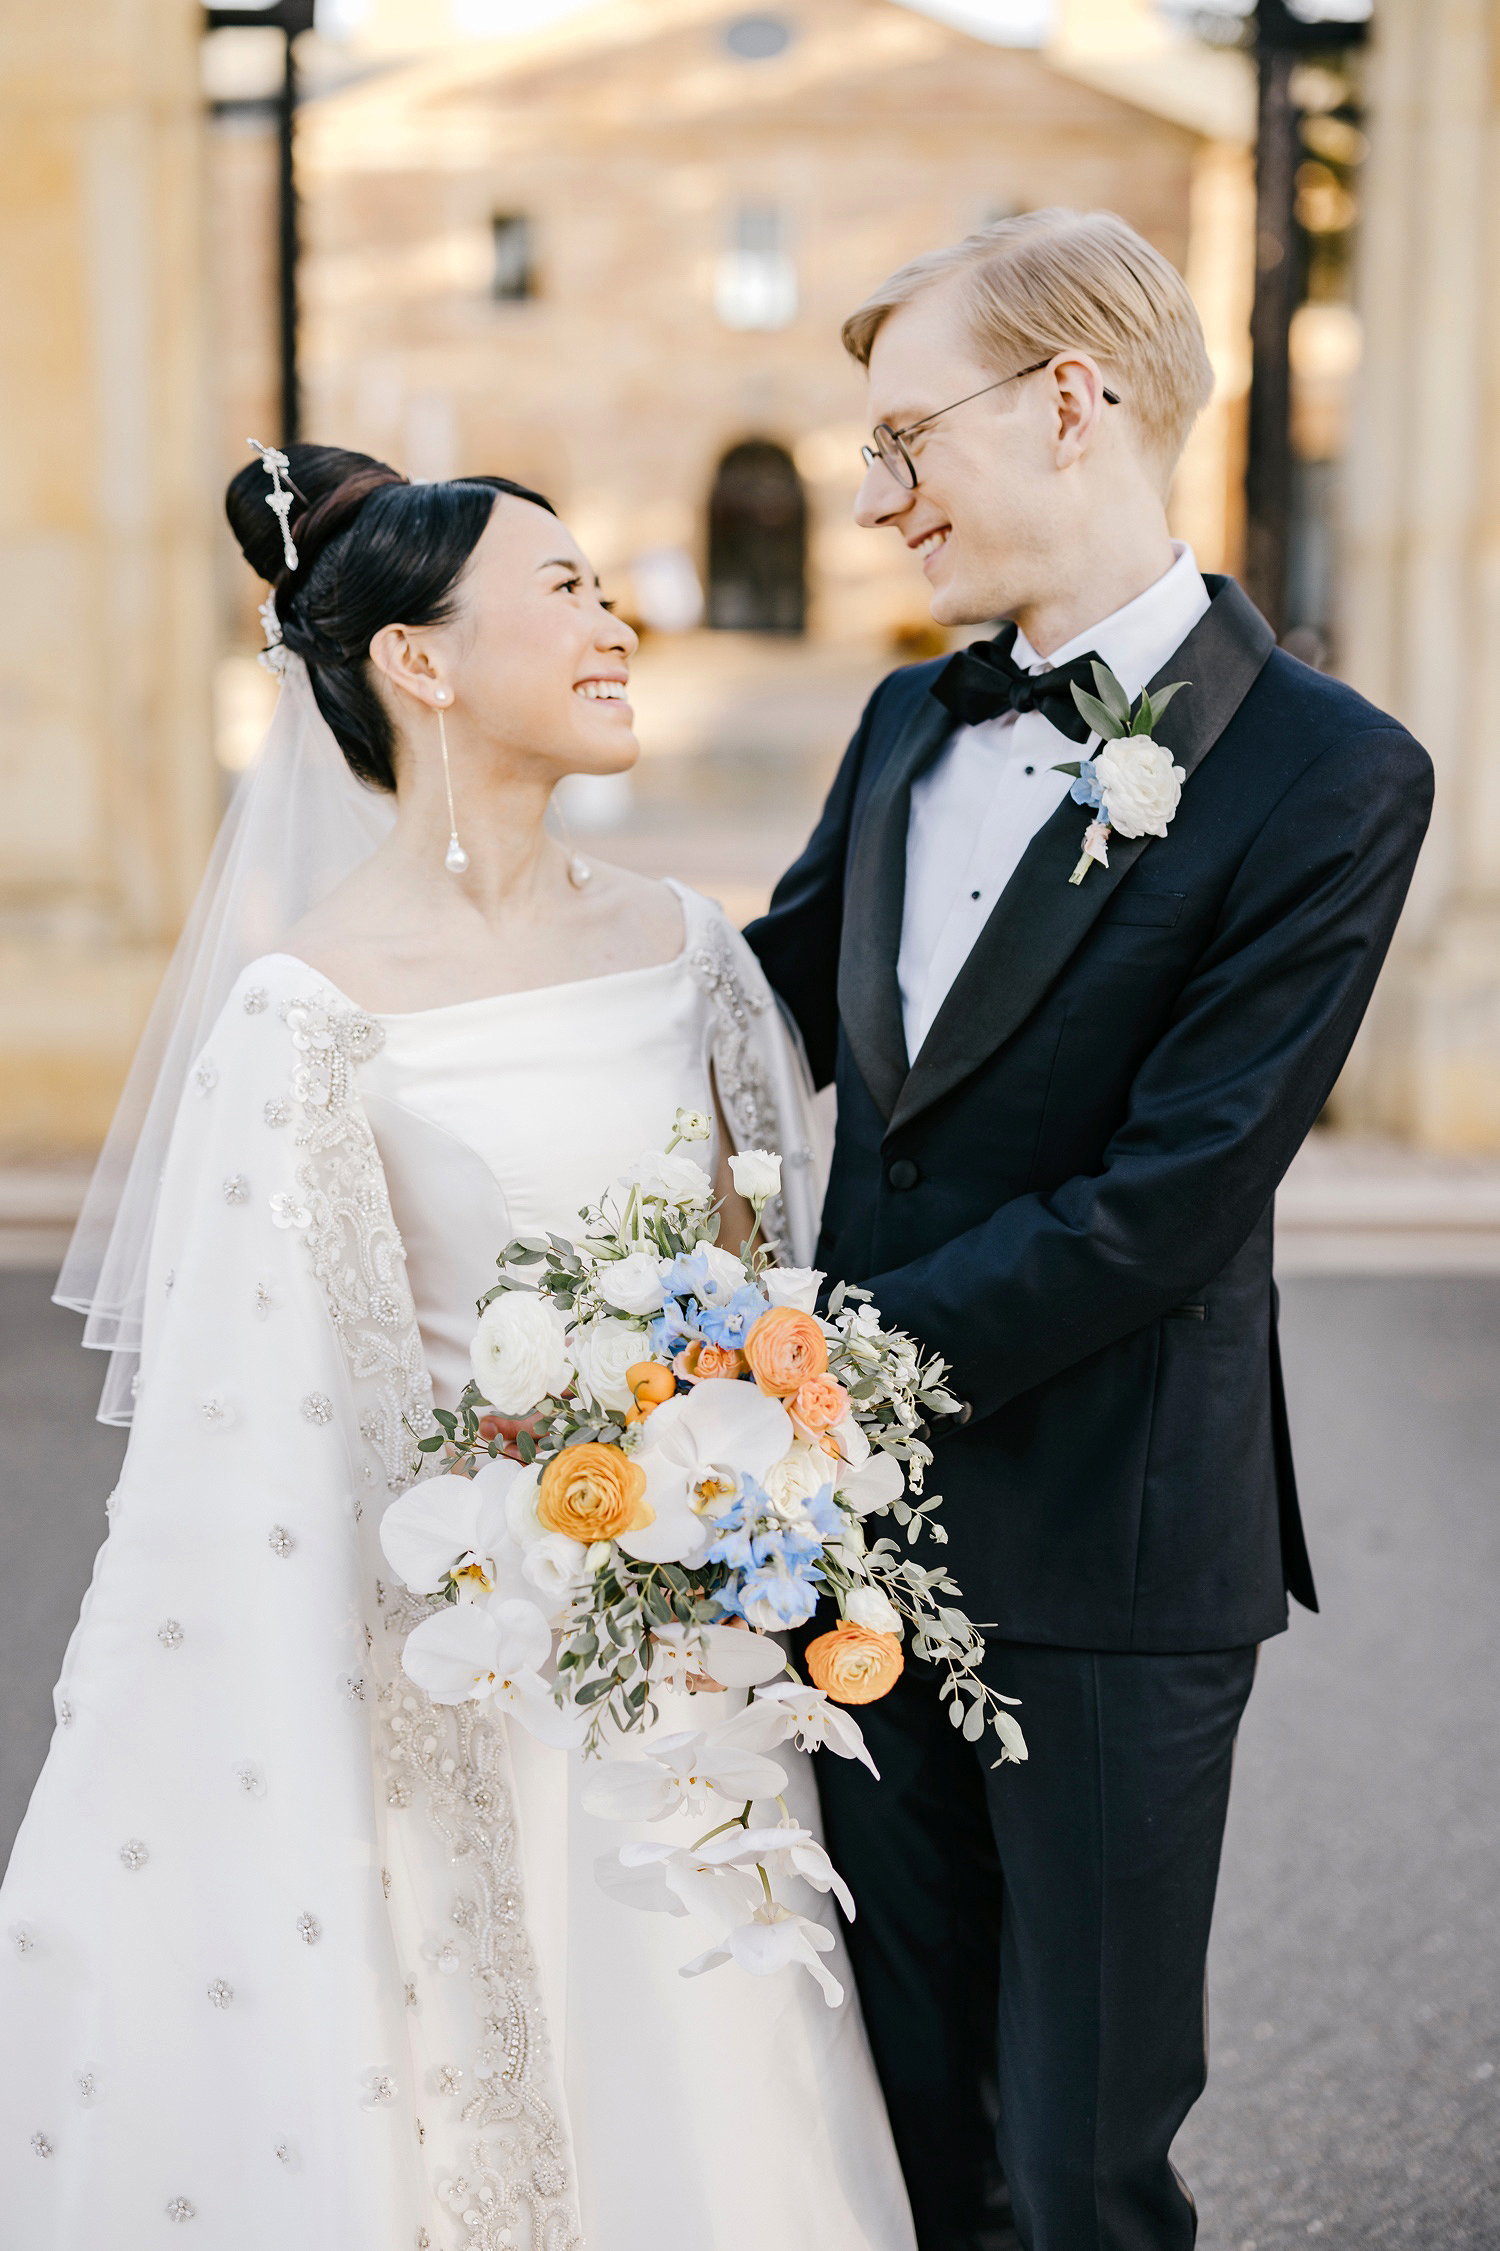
502, 1426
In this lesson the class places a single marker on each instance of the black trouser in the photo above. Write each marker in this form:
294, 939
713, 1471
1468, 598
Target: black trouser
1066, 1901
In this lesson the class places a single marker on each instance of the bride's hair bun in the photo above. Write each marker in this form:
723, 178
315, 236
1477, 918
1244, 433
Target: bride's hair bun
372, 550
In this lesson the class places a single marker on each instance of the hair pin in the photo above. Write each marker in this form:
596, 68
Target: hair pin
279, 498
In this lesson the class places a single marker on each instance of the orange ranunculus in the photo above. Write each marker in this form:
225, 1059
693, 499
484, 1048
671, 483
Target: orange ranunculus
816, 1405
650, 1385
784, 1348
593, 1492
700, 1362
854, 1664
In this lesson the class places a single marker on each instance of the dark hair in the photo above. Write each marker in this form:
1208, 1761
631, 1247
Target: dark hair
372, 550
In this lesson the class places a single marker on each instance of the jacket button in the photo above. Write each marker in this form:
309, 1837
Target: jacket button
903, 1173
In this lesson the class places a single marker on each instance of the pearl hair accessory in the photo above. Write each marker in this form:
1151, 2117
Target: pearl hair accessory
455, 859
279, 499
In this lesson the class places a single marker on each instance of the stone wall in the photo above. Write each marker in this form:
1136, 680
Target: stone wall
107, 791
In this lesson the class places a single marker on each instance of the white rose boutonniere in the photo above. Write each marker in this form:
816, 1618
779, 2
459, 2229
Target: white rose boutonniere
1130, 781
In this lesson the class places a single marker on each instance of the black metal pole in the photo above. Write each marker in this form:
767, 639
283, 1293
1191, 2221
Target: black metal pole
291, 405
1268, 470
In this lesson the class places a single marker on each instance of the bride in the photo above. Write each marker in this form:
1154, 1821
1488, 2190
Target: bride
294, 1957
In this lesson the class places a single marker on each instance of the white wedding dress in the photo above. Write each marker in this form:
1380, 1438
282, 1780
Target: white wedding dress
295, 1958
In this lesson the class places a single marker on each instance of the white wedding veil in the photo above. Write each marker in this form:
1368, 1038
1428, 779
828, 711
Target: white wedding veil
299, 823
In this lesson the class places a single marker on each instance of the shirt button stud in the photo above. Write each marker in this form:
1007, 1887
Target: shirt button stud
903, 1173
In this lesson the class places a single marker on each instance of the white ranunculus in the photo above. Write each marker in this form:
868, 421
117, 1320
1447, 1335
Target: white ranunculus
1140, 785
451, 1524
877, 1483
520, 1352
867, 1606
602, 1351
633, 1284
797, 1286
554, 1565
756, 1174
802, 1471
674, 1179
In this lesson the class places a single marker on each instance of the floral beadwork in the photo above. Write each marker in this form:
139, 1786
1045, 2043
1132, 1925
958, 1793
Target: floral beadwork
41, 2145
309, 1929
170, 1634
221, 1993
237, 1189
281, 1541
133, 1854
205, 1074
179, 2209
255, 999
317, 1407
277, 1112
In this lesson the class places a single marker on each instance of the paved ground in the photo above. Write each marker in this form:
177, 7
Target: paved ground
1355, 2098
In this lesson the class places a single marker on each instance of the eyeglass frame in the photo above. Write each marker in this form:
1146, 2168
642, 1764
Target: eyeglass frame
874, 453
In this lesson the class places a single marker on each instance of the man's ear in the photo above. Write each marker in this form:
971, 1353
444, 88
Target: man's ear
1079, 404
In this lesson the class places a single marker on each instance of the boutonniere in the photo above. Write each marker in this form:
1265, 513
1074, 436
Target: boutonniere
1130, 781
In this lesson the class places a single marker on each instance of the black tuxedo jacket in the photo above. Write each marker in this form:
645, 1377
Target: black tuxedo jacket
1069, 1191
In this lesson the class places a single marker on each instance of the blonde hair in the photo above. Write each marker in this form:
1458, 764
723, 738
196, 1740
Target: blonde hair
1050, 280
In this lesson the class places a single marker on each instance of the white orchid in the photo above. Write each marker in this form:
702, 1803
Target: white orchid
633, 1284
790, 1709
733, 1658
520, 1352
698, 1771
493, 1650
774, 1938
874, 1484
677, 1880
695, 1449
453, 1527
790, 1484
798, 1851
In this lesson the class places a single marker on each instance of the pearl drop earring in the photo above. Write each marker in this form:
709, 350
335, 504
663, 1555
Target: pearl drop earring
455, 859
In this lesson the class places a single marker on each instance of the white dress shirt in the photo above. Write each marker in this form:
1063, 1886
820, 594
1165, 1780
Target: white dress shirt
991, 788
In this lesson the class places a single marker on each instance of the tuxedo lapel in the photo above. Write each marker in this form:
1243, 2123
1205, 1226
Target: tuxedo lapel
1040, 919
875, 895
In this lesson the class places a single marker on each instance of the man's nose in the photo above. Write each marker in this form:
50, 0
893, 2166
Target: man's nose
880, 499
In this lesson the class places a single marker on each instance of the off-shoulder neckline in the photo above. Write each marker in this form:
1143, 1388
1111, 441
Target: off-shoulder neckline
687, 898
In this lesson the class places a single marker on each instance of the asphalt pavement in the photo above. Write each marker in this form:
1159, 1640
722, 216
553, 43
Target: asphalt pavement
1354, 2100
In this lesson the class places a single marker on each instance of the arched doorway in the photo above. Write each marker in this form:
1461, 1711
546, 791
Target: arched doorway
757, 542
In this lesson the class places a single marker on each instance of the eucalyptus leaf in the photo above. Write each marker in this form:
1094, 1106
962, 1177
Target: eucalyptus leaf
1111, 693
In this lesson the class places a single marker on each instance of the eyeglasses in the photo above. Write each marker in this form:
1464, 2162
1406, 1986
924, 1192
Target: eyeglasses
890, 451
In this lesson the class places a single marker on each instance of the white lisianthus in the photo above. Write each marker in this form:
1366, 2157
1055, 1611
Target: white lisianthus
671, 1179
555, 1566
756, 1174
802, 1471
520, 1352
797, 1286
602, 1351
1140, 785
693, 1125
632, 1284
868, 1607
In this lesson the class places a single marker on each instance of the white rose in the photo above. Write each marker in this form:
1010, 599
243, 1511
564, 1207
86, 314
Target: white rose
672, 1179
1140, 784
520, 1352
633, 1283
602, 1351
756, 1173
867, 1606
554, 1564
802, 1471
796, 1286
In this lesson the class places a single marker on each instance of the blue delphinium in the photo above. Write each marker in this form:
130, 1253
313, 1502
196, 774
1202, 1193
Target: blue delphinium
730, 1324
774, 1576
670, 1331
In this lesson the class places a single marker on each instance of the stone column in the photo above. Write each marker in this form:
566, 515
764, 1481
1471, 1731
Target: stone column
107, 789
1421, 578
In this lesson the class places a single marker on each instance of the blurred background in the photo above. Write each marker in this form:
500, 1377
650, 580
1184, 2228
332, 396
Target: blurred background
604, 246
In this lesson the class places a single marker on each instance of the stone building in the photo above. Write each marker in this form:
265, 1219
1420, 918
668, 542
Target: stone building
613, 257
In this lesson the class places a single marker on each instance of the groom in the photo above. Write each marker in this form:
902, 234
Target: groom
1064, 1106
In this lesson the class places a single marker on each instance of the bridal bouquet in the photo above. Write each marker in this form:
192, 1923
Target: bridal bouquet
666, 1457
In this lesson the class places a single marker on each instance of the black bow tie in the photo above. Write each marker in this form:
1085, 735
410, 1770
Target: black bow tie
985, 679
